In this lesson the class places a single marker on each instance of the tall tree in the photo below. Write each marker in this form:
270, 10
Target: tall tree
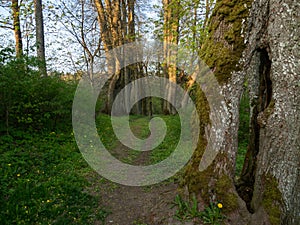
272, 170
80, 20
40, 40
212, 178
17, 27
269, 189
117, 24
171, 10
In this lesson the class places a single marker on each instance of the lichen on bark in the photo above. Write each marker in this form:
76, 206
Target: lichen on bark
221, 51
274, 32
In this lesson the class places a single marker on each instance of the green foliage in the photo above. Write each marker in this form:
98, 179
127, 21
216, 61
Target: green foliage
42, 181
29, 101
6, 54
186, 210
170, 141
243, 134
105, 131
212, 214
140, 128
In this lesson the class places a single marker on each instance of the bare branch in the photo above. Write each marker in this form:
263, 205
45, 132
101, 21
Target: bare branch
6, 27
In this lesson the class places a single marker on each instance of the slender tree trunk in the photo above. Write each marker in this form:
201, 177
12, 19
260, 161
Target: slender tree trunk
170, 36
17, 27
40, 42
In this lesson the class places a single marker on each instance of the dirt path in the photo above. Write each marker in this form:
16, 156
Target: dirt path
136, 205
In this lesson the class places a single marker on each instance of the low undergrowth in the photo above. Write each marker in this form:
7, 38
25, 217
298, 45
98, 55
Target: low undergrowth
42, 181
188, 210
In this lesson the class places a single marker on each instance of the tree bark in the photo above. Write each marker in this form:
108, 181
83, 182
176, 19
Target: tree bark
117, 24
17, 27
274, 74
271, 60
40, 40
170, 36
212, 179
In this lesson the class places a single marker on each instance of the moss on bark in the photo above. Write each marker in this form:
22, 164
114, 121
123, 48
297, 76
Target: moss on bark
272, 199
224, 45
221, 51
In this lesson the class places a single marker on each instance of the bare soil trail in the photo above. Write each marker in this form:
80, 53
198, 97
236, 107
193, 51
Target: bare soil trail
151, 205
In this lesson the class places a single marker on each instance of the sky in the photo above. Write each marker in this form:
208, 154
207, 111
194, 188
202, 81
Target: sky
61, 54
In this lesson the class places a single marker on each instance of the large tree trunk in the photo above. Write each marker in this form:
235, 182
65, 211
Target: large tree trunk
210, 174
17, 27
40, 40
270, 176
117, 24
274, 151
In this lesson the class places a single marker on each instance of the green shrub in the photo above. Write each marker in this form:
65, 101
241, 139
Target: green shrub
30, 101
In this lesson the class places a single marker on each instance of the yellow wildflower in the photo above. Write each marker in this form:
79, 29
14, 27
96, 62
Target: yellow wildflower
18, 175
9, 164
48, 201
220, 206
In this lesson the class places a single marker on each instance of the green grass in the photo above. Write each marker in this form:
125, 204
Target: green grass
243, 134
140, 128
42, 175
42, 181
170, 142
139, 125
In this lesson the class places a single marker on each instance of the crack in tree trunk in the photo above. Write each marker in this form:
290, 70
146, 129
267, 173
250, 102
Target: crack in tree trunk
259, 103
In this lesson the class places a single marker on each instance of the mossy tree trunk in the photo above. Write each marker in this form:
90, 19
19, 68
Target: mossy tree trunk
221, 51
271, 55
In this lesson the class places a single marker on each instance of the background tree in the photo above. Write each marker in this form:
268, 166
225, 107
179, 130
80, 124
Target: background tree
17, 27
79, 19
117, 25
40, 40
171, 13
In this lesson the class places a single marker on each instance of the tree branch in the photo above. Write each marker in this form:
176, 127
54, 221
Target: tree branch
6, 27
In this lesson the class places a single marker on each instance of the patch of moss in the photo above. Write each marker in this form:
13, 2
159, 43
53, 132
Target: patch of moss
272, 199
221, 51
224, 45
224, 193
270, 109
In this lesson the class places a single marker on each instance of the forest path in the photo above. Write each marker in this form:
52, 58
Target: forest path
148, 205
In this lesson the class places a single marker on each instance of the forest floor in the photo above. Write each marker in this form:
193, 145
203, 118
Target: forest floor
139, 205
129, 205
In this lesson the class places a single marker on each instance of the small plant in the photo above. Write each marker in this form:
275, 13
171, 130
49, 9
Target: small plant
138, 222
212, 214
186, 210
